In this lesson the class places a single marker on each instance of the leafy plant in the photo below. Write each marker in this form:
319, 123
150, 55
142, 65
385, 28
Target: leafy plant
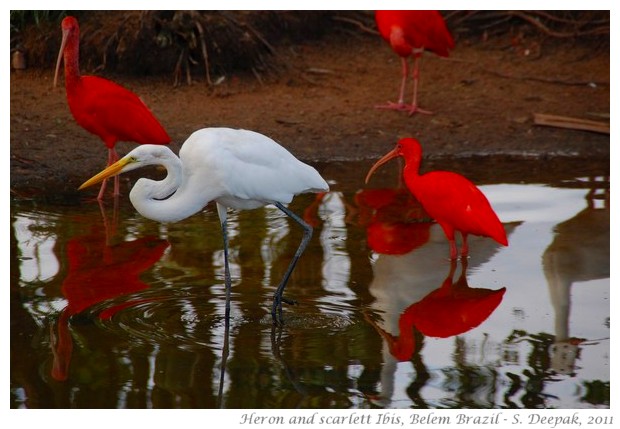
22, 18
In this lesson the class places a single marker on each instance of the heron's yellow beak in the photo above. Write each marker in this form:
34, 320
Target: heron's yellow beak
112, 170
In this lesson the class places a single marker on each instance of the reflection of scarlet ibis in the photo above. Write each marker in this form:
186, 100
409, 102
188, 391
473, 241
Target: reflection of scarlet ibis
96, 273
403, 346
454, 308
400, 280
451, 310
237, 169
449, 198
395, 222
311, 215
102, 107
410, 33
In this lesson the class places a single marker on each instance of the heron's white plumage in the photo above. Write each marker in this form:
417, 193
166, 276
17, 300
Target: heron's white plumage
251, 168
240, 169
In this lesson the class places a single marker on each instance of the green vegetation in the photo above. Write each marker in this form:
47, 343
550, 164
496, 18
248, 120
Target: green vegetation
22, 18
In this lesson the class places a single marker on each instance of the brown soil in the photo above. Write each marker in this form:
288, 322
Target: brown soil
321, 107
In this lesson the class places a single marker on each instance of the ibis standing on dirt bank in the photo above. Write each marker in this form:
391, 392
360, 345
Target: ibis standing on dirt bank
237, 169
102, 107
410, 33
449, 198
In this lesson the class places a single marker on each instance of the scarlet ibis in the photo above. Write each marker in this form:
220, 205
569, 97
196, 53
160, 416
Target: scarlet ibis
449, 198
237, 169
102, 107
410, 33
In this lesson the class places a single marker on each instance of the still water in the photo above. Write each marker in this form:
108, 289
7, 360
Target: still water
110, 310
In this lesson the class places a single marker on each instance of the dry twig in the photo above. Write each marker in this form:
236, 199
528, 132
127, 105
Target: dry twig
571, 123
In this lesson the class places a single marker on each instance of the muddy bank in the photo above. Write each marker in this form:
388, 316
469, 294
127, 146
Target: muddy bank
321, 108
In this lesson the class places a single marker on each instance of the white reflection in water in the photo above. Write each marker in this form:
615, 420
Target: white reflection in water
562, 239
533, 203
38, 262
402, 280
277, 230
556, 274
336, 260
232, 223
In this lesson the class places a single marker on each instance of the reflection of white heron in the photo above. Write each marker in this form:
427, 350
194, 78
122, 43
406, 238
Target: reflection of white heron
579, 252
237, 169
401, 280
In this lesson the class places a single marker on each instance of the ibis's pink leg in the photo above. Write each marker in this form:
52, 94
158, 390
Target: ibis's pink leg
413, 108
453, 252
464, 247
400, 105
102, 190
449, 231
112, 158
403, 82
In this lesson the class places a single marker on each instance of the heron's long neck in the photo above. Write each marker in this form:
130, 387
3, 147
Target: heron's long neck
166, 200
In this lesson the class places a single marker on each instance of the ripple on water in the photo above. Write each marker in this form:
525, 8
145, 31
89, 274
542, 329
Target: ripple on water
183, 316
298, 320
188, 317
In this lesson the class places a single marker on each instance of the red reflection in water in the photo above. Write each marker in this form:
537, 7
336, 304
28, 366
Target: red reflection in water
311, 215
99, 272
395, 221
452, 309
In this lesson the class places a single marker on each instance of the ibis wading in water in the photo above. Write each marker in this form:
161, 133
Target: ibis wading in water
102, 107
410, 33
237, 169
449, 198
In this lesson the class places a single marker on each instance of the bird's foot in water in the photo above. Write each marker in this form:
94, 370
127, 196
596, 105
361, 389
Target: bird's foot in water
276, 309
289, 301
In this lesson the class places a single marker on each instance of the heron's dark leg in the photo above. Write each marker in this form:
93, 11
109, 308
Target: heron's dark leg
221, 211
277, 297
225, 347
227, 280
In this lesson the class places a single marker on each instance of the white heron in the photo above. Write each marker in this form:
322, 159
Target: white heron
238, 169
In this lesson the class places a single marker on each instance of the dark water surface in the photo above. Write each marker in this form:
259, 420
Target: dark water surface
111, 310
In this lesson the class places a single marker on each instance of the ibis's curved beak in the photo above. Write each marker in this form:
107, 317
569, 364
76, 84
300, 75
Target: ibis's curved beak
112, 170
394, 153
65, 36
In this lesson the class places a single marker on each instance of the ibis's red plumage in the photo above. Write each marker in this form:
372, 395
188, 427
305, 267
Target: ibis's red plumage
449, 198
409, 30
102, 107
410, 33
